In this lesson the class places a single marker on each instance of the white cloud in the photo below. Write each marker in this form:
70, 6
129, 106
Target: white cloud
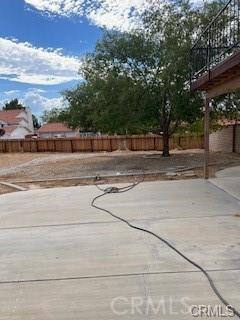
60, 7
117, 14
33, 98
37, 102
22, 62
113, 14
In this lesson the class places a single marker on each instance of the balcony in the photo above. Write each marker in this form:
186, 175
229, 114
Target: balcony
215, 57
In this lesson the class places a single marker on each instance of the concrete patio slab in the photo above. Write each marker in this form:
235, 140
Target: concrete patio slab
232, 172
62, 259
229, 185
150, 200
229, 181
160, 296
93, 250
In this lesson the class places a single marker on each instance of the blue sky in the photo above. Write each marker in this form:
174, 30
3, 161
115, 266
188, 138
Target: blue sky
41, 42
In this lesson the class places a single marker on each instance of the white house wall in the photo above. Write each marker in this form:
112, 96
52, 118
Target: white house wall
30, 120
18, 133
27, 120
58, 135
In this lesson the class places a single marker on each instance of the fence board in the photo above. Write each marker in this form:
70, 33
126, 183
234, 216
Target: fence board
82, 145
63, 145
194, 142
43, 145
101, 144
98, 144
29, 146
2, 146
13, 146
120, 143
142, 143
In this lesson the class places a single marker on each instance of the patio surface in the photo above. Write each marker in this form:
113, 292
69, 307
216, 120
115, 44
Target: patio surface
62, 259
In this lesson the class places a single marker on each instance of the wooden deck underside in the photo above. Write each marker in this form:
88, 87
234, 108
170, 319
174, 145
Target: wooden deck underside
223, 78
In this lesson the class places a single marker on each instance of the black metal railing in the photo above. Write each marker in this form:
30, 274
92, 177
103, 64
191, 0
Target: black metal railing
218, 41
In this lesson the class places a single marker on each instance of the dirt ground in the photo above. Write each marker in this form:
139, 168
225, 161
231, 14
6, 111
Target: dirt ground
4, 189
8, 160
32, 169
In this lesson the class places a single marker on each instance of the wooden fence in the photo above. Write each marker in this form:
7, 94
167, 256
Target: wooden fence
97, 144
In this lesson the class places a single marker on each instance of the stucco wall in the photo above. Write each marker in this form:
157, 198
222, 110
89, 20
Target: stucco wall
58, 134
18, 133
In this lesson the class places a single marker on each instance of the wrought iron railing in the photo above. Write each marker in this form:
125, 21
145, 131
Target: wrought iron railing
219, 40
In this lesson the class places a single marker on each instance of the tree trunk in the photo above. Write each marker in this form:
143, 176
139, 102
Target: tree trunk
165, 152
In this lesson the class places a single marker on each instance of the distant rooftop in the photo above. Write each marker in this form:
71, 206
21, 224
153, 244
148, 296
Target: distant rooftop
54, 127
11, 116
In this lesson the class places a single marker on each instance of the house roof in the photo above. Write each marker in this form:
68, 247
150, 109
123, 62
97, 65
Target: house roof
54, 127
11, 116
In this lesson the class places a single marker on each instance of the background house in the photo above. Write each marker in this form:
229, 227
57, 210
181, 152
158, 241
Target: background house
16, 124
56, 130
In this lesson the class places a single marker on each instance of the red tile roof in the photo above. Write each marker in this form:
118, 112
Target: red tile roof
10, 116
226, 122
54, 127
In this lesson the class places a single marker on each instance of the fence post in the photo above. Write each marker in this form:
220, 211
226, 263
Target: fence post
131, 142
111, 148
91, 144
179, 141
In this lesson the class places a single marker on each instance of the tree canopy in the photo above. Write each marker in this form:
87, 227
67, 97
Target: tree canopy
138, 82
13, 105
36, 123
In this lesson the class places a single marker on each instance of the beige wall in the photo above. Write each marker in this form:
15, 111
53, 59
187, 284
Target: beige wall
222, 140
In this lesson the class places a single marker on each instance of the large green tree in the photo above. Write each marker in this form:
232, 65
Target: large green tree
136, 82
112, 105
227, 106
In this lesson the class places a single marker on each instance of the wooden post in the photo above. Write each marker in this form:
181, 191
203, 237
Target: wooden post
91, 140
110, 143
206, 137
